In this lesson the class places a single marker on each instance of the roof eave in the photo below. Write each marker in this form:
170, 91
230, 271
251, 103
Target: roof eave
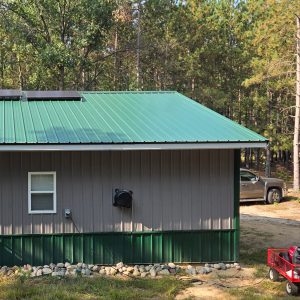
131, 146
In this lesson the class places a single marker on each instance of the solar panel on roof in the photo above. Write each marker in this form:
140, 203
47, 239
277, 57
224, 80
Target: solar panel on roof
10, 94
52, 95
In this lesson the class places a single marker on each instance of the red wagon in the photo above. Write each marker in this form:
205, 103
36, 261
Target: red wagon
280, 263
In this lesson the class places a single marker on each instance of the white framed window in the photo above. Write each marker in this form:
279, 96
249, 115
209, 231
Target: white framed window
41, 192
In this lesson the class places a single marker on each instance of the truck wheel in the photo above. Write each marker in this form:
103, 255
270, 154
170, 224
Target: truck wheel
291, 288
274, 195
273, 275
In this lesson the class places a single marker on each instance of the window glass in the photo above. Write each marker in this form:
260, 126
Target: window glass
41, 192
41, 182
247, 176
41, 201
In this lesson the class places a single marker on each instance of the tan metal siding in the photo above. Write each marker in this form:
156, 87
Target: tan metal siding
172, 190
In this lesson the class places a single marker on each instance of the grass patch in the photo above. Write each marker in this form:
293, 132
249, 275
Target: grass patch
67, 288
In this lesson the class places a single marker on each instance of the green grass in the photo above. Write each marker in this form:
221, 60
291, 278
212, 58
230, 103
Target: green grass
67, 288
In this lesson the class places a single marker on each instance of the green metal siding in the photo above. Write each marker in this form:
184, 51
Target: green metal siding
109, 248
120, 117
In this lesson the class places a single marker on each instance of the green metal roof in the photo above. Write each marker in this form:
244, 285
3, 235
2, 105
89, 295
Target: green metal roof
117, 117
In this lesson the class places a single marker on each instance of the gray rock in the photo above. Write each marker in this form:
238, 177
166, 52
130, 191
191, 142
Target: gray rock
60, 265
59, 273
172, 265
147, 268
228, 266
223, 266
102, 272
191, 271
217, 266
47, 271
67, 264
52, 266
9, 272
90, 266
189, 267
4, 270
164, 272
156, 265
119, 265
39, 272
96, 268
86, 272
45, 266
84, 266
144, 274
79, 265
153, 272
207, 265
236, 264
157, 269
204, 270
136, 273
39, 267
238, 267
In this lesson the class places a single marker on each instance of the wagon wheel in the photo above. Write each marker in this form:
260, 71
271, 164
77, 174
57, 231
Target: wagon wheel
273, 274
291, 288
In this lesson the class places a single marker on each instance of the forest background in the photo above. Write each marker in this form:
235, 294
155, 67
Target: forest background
236, 57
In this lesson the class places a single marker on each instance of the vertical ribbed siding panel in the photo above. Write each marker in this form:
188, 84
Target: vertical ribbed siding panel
17, 194
65, 191
6, 194
126, 182
106, 180
156, 187
116, 183
109, 248
172, 190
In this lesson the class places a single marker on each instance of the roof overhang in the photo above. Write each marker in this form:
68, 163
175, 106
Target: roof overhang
127, 147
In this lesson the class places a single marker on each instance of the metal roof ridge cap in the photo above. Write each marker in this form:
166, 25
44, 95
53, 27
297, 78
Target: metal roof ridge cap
127, 92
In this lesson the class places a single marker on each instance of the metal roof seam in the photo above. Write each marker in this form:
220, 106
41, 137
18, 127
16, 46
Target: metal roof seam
104, 121
118, 117
109, 116
67, 121
146, 125
113, 111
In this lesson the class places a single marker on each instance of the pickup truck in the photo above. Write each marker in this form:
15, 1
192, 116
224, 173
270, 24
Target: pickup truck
256, 188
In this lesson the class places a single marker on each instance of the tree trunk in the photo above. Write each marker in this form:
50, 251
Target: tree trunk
116, 61
268, 162
138, 44
297, 112
257, 159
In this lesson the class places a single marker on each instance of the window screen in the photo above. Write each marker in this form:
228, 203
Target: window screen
42, 192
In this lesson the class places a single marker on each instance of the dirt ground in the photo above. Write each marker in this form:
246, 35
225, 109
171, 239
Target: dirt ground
262, 226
